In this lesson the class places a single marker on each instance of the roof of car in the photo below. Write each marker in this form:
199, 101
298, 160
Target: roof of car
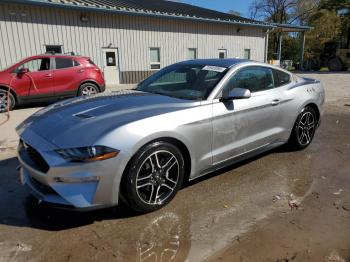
228, 62
55, 55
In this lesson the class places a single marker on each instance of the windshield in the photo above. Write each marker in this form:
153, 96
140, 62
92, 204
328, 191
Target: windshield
185, 81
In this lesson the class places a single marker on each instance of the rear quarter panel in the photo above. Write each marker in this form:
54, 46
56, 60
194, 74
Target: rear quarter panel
296, 96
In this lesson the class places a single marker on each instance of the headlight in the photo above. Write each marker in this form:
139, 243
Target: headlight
88, 154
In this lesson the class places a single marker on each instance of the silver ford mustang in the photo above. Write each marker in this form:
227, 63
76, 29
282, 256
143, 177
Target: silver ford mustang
185, 121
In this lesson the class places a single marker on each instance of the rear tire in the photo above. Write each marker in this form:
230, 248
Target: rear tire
153, 177
335, 64
4, 101
304, 129
88, 89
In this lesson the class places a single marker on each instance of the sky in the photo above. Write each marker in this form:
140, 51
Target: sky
241, 6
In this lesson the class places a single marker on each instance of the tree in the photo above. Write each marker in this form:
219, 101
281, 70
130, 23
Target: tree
326, 27
342, 7
283, 12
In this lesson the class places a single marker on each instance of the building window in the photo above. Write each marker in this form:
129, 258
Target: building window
222, 53
110, 59
155, 58
192, 53
247, 54
56, 49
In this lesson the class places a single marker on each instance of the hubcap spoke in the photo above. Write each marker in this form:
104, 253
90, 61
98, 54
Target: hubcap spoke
147, 183
172, 161
167, 186
157, 195
157, 160
151, 195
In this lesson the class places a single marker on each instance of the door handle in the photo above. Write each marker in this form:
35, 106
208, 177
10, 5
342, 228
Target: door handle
81, 71
48, 75
275, 102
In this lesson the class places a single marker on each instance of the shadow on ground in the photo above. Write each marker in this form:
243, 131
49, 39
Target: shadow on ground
24, 210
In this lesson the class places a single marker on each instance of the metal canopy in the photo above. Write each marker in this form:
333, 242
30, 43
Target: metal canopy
287, 28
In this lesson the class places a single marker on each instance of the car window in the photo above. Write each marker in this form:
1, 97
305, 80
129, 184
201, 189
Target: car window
76, 63
91, 62
187, 81
35, 65
280, 78
63, 63
252, 78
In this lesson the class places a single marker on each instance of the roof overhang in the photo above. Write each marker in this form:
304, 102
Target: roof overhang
288, 28
142, 12
139, 12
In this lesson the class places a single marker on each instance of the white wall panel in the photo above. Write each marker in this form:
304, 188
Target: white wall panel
26, 35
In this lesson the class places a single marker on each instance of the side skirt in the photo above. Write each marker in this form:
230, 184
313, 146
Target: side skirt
237, 159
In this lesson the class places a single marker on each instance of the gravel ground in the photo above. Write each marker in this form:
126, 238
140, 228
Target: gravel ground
243, 215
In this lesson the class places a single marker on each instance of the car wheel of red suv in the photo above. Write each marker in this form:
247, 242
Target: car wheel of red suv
6, 101
88, 89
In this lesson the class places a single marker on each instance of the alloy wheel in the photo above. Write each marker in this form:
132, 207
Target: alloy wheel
89, 90
3, 102
306, 128
157, 177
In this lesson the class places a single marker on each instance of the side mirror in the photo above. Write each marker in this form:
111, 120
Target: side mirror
23, 71
235, 93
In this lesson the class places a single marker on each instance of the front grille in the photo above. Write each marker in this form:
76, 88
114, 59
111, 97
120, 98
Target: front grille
38, 161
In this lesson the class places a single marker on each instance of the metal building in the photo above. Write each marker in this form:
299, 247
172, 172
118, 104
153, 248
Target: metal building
128, 39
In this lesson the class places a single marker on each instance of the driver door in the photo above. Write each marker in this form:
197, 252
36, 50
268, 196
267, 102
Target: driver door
38, 82
242, 125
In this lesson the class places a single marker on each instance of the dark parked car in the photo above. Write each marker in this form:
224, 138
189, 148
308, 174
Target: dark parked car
49, 77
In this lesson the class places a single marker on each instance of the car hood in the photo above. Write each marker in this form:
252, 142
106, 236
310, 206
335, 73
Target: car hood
81, 121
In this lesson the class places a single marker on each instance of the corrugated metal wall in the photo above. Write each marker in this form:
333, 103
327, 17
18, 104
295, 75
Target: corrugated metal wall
26, 29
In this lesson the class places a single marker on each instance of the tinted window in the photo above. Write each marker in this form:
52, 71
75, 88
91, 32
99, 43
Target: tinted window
41, 64
253, 78
76, 63
193, 82
280, 78
63, 63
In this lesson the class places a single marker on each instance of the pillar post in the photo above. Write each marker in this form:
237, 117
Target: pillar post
302, 49
279, 48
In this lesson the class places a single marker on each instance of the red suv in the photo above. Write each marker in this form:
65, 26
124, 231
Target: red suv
49, 77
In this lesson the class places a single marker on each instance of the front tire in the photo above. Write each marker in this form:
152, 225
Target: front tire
88, 89
304, 129
154, 176
6, 101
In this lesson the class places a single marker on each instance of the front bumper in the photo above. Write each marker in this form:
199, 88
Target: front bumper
82, 186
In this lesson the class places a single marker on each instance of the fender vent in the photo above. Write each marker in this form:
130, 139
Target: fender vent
84, 116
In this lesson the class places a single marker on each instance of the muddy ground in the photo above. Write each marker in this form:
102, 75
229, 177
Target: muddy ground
241, 213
